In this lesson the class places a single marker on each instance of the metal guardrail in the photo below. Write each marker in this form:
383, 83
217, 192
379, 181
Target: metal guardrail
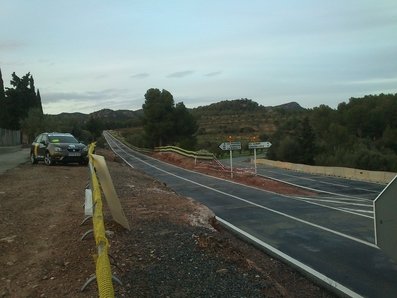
198, 155
121, 139
186, 153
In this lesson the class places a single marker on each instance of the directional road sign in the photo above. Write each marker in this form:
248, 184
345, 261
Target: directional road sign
259, 145
230, 146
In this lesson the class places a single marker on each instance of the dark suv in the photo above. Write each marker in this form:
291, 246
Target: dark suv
58, 147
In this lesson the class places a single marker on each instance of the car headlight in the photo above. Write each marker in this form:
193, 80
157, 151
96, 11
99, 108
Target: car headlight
85, 149
57, 149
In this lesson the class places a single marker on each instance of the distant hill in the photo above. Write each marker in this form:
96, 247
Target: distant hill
360, 133
243, 118
239, 116
106, 115
229, 107
75, 118
243, 105
290, 106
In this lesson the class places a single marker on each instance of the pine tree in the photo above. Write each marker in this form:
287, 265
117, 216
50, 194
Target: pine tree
185, 127
165, 123
306, 138
158, 116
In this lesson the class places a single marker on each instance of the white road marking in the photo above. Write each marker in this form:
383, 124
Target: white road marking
335, 201
333, 208
324, 182
316, 190
307, 178
357, 210
323, 278
344, 199
260, 206
107, 140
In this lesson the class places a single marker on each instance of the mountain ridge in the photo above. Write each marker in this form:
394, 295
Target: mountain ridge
243, 105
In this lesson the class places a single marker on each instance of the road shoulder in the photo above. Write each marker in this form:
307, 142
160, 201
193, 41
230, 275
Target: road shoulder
171, 250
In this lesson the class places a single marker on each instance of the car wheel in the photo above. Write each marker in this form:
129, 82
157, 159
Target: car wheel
48, 160
33, 159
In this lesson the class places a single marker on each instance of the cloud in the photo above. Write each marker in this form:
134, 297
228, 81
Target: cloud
87, 102
213, 74
102, 76
140, 75
10, 45
46, 62
180, 74
102, 95
374, 81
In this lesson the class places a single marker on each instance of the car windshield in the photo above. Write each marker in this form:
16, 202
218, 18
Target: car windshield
62, 139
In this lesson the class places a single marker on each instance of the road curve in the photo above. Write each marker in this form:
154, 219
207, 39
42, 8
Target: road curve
333, 246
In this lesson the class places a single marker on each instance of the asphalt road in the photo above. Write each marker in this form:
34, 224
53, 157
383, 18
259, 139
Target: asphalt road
10, 157
327, 243
342, 194
325, 184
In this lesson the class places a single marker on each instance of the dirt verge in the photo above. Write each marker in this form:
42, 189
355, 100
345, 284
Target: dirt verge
240, 175
171, 250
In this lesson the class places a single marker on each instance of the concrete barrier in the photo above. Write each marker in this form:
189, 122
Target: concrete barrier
349, 173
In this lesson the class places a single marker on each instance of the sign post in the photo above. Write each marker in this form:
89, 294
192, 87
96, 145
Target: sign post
230, 146
231, 158
258, 145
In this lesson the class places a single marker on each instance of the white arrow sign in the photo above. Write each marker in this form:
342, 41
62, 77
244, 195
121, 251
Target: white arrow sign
259, 145
230, 146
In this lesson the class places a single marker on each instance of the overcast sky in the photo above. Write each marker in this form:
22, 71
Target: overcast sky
93, 54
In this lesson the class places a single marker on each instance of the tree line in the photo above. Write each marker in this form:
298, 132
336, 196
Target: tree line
21, 109
359, 134
163, 121
18, 102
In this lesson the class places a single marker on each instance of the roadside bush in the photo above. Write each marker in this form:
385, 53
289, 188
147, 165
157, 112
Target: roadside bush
361, 158
137, 139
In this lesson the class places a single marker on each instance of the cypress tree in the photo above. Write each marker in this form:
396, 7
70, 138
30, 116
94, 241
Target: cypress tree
2, 103
39, 105
20, 98
2, 94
